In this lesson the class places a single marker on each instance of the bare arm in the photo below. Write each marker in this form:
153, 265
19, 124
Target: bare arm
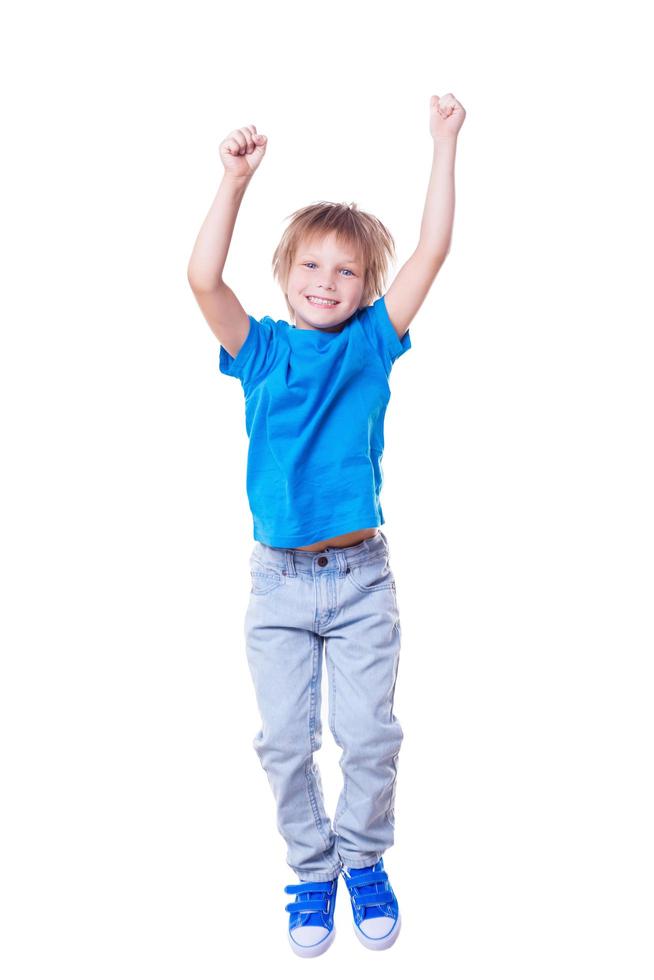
241, 153
207, 262
414, 280
412, 283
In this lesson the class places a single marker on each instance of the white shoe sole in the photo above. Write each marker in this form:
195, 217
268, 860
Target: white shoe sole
383, 943
314, 950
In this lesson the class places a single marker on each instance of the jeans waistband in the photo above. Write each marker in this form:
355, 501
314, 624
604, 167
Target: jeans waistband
331, 558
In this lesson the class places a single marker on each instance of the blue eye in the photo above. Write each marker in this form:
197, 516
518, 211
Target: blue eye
344, 270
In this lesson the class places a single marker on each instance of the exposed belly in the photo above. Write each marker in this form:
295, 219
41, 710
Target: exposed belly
342, 541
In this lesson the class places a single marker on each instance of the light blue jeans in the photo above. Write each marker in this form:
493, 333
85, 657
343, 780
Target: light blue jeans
344, 599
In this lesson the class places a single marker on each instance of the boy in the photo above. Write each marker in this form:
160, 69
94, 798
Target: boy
316, 393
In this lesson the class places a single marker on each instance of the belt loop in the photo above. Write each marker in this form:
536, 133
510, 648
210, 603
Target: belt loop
290, 563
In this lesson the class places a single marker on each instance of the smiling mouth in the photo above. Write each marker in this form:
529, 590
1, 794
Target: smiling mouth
318, 301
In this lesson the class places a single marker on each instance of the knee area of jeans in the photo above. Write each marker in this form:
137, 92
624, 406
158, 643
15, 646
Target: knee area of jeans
285, 746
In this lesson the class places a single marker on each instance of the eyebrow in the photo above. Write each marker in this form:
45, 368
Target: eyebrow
310, 255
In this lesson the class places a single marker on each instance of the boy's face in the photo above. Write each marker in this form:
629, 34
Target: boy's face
325, 268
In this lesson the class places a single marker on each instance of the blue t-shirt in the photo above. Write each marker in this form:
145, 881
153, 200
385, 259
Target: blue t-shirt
314, 413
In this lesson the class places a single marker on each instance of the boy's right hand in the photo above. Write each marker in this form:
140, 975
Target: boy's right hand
242, 151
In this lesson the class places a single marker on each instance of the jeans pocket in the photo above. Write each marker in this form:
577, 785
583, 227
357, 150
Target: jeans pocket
264, 578
372, 575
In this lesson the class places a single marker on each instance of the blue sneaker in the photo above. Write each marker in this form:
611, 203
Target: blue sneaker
374, 905
311, 925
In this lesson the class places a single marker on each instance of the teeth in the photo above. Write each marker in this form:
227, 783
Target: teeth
321, 302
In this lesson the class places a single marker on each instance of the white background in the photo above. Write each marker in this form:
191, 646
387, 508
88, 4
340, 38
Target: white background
138, 830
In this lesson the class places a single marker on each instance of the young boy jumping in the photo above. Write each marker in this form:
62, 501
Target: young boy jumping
316, 392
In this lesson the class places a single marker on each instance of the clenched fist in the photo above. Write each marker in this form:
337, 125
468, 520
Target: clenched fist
242, 151
446, 116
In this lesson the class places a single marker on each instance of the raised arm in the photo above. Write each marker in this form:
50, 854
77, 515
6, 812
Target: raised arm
409, 289
241, 153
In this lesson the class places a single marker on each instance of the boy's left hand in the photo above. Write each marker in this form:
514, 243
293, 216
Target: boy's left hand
446, 116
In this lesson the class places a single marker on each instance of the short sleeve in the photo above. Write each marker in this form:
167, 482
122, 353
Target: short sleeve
381, 333
254, 359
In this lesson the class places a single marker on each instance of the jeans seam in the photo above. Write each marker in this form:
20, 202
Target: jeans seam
332, 724
391, 805
308, 769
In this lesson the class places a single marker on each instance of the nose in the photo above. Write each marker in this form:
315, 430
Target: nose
327, 283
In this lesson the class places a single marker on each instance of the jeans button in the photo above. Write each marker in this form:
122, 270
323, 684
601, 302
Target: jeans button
323, 561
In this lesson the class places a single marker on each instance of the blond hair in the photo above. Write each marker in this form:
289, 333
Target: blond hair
365, 233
